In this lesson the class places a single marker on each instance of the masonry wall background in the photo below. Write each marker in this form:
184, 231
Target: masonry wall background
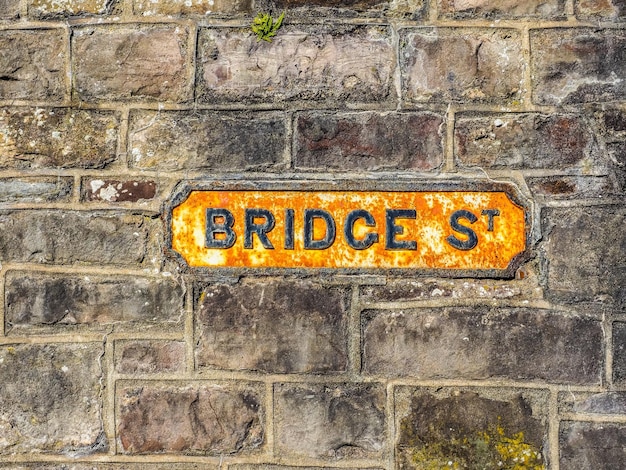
112, 355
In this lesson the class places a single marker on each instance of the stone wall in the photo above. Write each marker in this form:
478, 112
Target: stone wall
114, 356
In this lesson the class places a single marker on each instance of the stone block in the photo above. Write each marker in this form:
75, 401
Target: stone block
199, 418
109, 190
290, 467
149, 356
369, 141
470, 428
600, 9
68, 8
333, 421
34, 138
604, 403
413, 9
65, 237
526, 141
38, 300
35, 189
10, 9
502, 8
337, 65
131, 63
482, 343
572, 187
180, 140
93, 465
619, 353
578, 65
439, 65
32, 64
277, 326
591, 445
584, 254
204, 8
50, 397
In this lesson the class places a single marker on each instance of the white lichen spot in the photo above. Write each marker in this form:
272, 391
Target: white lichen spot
65, 369
56, 135
109, 194
95, 185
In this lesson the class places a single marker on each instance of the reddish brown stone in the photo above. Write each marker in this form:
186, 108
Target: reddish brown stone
569, 187
198, 418
603, 9
149, 356
117, 190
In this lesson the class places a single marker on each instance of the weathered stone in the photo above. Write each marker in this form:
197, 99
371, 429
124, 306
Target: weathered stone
480, 343
50, 397
109, 466
604, 9
572, 187
369, 141
127, 63
467, 428
57, 138
117, 190
9, 9
502, 8
277, 326
54, 236
526, 140
179, 140
331, 421
65, 8
193, 7
595, 235
51, 299
149, 356
431, 289
619, 352
578, 65
414, 9
343, 64
32, 64
198, 418
605, 403
35, 189
591, 445
289, 467
440, 65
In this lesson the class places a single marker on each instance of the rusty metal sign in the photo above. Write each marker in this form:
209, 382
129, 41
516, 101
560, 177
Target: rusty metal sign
260, 228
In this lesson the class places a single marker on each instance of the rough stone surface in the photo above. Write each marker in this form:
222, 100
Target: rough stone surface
199, 418
57, 138
413, 9
127, 63
481, 343
109, 466
52, 299
578, 65
149, 356
369, 141
345, 64
440, 65
9, 9
32, 64
275, 326
591, 445
290, 467
526, 140
64, 8
470, 428
595, 235
333, 421
206, 140
54, 236
50, 397
619, 352
190, 7
572, 187
117, 190
604, 9
501, 8
35, 189
605, 403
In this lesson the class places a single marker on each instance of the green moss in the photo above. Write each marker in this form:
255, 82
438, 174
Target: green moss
265, 27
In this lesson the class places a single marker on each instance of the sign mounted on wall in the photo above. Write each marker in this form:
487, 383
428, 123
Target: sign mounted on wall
461, 229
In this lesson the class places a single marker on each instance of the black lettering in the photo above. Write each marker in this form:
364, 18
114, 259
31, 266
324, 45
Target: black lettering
348, 229
329, 237
490, 213
391, 229
472, 239
289, 216
225, 228
260, 229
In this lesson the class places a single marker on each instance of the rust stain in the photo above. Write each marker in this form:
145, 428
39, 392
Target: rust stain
425, 241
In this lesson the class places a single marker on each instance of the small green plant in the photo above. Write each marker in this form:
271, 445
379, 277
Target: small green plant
265, 27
